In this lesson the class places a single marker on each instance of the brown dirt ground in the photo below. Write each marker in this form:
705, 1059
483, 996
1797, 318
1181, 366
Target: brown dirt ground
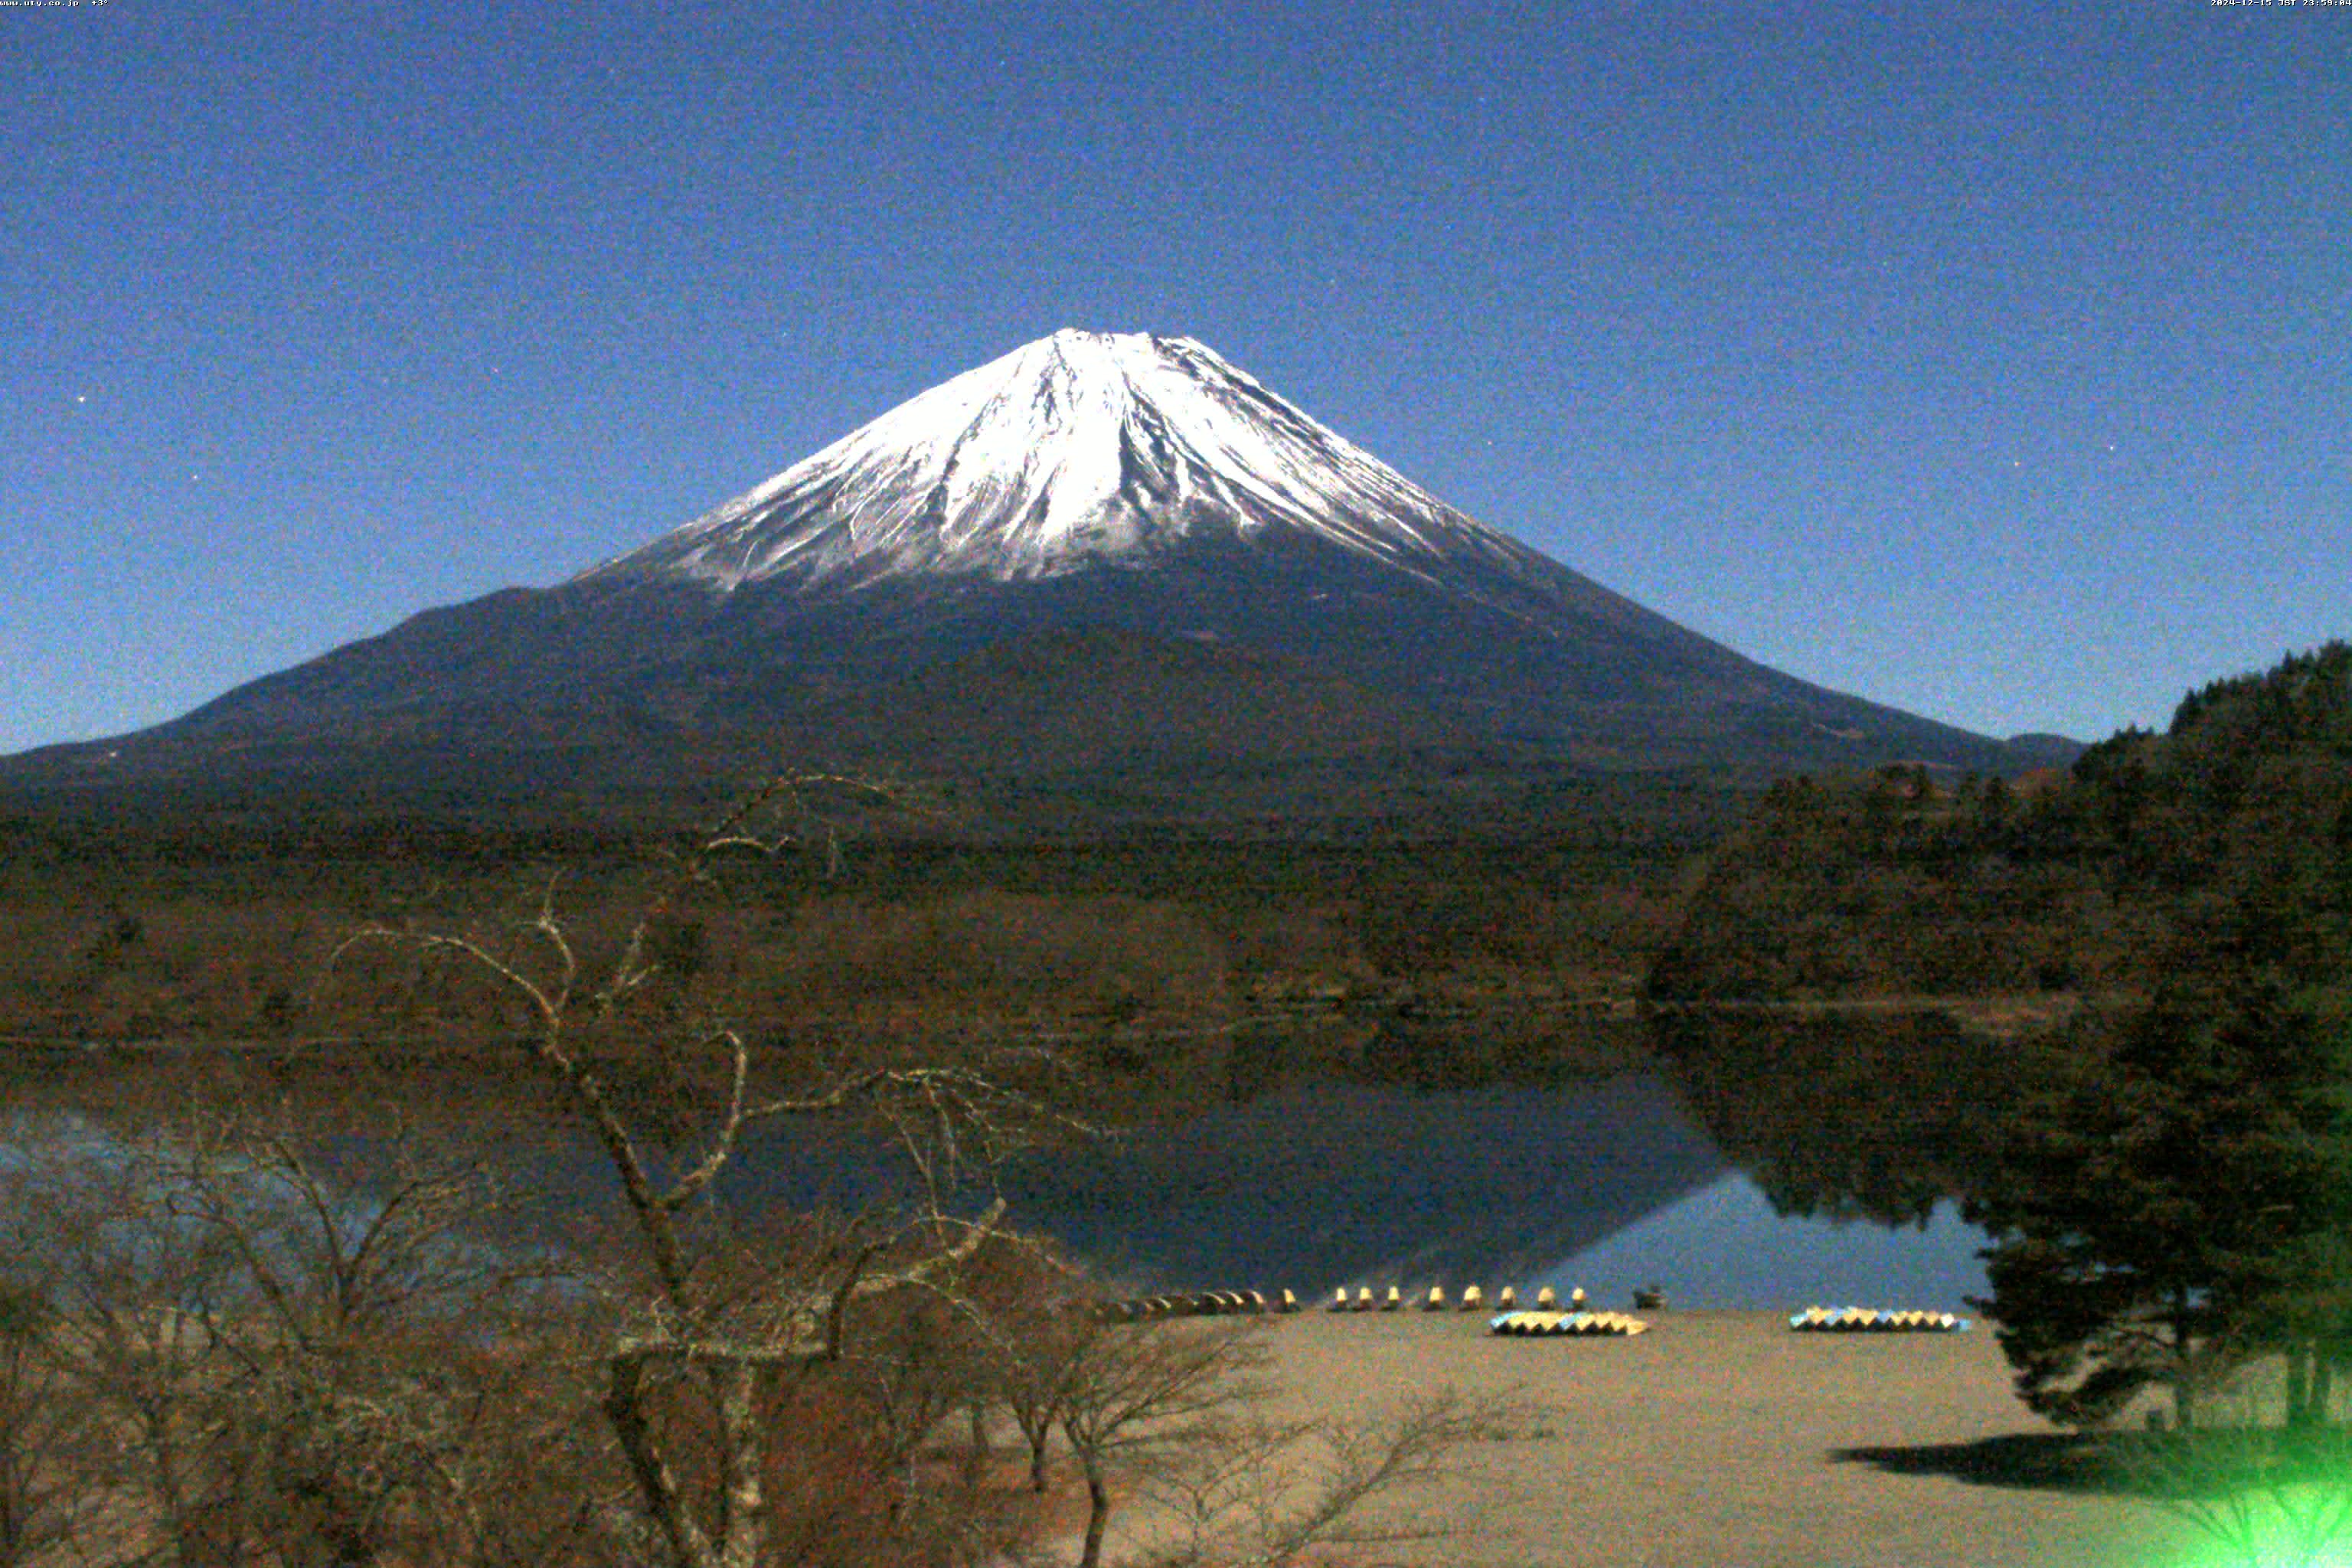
1721, 1439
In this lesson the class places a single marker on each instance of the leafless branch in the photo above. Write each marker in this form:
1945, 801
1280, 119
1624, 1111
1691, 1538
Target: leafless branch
699, 1330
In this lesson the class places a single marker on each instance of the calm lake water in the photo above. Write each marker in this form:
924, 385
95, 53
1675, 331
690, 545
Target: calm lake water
1724, 1247
1610, 1185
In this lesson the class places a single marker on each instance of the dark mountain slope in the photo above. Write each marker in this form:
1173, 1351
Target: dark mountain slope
1102, 483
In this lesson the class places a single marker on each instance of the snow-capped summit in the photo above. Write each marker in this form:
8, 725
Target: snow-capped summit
1077, 448
1099, 548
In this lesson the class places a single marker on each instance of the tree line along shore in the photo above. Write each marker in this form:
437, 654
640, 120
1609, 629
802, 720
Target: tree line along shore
2164, 1165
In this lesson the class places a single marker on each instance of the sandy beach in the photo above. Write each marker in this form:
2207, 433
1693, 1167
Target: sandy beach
1721, 1439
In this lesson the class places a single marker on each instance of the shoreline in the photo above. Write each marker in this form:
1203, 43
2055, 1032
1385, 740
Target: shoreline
1720, 1439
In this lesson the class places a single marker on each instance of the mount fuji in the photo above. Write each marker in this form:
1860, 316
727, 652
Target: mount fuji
1099, 547
1079, 449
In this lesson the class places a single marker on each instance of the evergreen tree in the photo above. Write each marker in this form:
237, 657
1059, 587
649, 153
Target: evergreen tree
2182, 1202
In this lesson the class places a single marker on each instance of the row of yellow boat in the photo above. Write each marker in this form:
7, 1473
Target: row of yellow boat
1536, 1325
1472, 1300
1872, 1320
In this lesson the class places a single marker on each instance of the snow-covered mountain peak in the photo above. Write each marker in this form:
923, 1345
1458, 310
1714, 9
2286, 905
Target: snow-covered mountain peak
1076, 449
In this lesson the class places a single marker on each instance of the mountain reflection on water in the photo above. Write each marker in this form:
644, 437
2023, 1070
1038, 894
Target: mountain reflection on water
1608, 1185
1312, 1186
1726, 1245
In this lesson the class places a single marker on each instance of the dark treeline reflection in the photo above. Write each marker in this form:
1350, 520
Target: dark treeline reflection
1312, 1186
1849, 1115
1431, 1151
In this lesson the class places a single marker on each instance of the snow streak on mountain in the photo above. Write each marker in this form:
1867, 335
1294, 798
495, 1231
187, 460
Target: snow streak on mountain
1097, 549
1077, 449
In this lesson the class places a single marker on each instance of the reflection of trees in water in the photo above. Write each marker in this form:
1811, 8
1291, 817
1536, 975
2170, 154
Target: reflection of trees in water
1430, 1049
1875, 1116
1315, 1185
1409, 1148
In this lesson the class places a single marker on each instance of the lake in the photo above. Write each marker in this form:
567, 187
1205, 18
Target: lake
1610, 1184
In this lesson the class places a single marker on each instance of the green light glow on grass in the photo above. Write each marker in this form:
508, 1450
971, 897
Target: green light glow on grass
2307, 1526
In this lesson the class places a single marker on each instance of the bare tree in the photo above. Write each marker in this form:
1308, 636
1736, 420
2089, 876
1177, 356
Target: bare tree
353, 1326
1127, 1395
274, 1355
698, 1329
1265, 1494
1036, 1331
1173, 1413
121, 1282
45, 1435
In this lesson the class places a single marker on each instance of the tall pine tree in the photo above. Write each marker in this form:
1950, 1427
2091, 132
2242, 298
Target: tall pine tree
2182, 1201
2179, 1206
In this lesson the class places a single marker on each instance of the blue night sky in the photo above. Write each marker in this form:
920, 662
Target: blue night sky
1988, 360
